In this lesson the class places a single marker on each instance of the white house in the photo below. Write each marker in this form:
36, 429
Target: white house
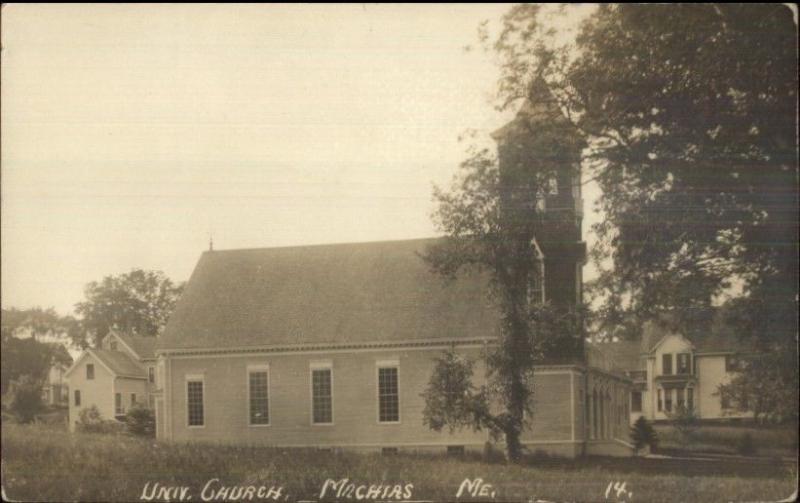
669, 371
114, 377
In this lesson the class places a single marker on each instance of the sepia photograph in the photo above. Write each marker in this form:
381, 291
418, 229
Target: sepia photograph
416, 253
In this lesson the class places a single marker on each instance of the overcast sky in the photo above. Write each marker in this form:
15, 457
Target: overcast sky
132, 133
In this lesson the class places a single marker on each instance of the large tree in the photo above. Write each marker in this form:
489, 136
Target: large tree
138, 302
35, 322
22, 353
690, 113
491, 220
689, 116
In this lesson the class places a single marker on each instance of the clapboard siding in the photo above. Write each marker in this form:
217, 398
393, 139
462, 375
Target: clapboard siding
551, 419
126, 386
94, 392
355, 401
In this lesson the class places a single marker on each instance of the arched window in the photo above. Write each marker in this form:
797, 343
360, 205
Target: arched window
536, 279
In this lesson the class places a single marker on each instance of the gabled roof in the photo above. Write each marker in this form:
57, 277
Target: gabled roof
144, 347
116, 362
119, 362
719, 339
341, 293
653, 335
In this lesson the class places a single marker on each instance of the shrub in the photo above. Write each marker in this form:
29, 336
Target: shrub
141, 421
26, 401
91, 421
642, 433
686, 422
745, 445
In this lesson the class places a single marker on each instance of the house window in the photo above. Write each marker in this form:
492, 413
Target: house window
113, 345
77, 398
666, 364
151, 374
388, 395
690, 398
118, 409
258, 381
194, 402
133, 399
724, 401
668, 400
660, 400
681, 397
636, 401
89, 371
683, 363
322, 396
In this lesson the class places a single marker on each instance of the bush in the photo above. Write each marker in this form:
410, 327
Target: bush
26, 401
686, 422
91, 421
745, 445
141, 421
642, 433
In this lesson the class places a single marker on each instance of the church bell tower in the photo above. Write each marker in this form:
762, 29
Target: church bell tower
539, 155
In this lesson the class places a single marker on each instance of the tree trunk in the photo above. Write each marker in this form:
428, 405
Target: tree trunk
518, 352
513, 445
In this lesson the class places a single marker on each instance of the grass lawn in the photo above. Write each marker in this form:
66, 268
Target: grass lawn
43, 463
724, 439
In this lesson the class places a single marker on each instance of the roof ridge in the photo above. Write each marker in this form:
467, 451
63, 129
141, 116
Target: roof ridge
320, 245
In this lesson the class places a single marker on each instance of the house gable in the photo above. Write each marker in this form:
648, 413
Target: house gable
113, 342
81, 362
116, 363
139, 348
670, 343
85, 392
